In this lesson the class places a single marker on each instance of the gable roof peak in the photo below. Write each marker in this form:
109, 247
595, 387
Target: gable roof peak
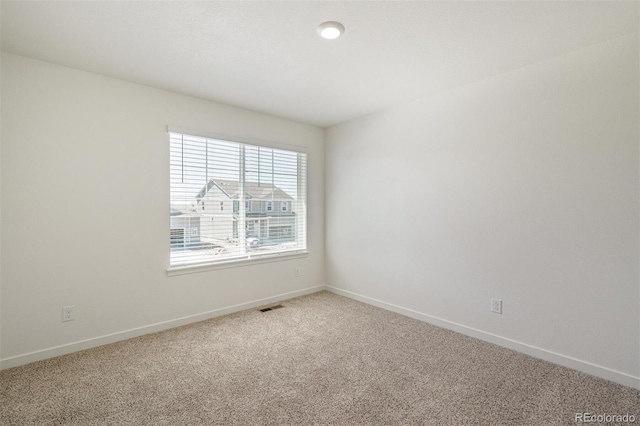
252, 190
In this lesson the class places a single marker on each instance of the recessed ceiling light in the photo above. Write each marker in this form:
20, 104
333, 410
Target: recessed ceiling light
330, 30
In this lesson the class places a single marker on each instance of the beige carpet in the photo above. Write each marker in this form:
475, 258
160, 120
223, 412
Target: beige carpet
321, 359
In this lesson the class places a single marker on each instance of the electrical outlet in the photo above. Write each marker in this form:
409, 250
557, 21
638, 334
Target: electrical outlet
297, 272
68, 313
496, 306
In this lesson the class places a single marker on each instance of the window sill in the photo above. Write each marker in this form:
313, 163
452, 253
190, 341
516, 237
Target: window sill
194, 269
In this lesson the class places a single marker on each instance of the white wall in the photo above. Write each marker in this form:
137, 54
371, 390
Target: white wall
0, 215
523, 187
85, 166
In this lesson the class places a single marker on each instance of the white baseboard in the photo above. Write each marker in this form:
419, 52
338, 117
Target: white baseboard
556, 358
564, 360
93, 342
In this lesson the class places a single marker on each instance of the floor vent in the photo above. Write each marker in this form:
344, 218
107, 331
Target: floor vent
271, 308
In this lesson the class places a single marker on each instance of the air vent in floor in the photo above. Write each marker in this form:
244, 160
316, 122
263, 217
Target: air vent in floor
271, 308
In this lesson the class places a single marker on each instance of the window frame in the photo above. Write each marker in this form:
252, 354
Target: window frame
251, 258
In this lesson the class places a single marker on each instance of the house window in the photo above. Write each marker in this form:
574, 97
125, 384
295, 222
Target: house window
208, 171
236, 206
263, 229
251, 229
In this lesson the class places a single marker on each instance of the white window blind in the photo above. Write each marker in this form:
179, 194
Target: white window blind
223, 195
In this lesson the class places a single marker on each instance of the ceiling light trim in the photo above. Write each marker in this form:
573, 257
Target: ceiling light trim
330, 30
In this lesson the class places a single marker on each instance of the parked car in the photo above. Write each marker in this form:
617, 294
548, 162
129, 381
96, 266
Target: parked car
253, 242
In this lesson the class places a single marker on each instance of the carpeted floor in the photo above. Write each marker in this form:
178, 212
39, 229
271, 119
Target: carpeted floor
321, 359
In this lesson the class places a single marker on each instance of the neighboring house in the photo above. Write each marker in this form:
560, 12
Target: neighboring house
268, 211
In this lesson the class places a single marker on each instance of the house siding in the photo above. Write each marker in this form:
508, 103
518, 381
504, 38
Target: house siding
216, 209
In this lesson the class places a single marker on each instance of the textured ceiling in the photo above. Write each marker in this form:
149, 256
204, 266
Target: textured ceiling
266, 56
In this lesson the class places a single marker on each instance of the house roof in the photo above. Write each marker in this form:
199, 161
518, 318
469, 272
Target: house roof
252, 190
182, 210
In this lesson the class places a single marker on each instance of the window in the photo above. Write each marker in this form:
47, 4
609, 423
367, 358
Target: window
208, 171
251, 229
236, 206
